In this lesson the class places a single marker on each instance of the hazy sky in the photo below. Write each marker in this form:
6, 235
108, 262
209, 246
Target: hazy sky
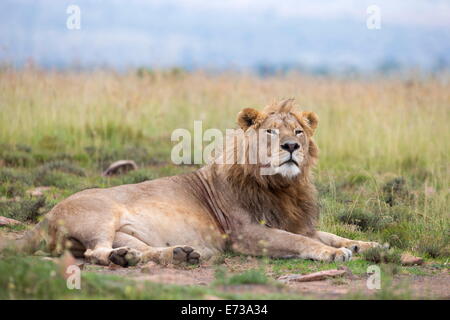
226, 33
403, 12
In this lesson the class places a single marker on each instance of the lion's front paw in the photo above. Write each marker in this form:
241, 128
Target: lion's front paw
361, 246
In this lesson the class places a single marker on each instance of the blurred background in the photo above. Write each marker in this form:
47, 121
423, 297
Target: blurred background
262, 36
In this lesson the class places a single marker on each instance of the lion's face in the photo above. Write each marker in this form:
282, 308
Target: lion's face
288, 135
287, 156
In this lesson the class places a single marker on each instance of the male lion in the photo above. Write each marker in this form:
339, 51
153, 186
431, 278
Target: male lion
194, 216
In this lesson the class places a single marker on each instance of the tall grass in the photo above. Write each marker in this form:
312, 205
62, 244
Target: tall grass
380, 124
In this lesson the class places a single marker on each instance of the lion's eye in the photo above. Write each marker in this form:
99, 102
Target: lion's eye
298, 132
272, 131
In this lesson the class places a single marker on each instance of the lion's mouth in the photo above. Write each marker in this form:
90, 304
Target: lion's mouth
289, 161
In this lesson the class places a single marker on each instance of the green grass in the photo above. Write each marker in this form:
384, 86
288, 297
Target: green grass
251, 276
283, 266
380, 255
27, 210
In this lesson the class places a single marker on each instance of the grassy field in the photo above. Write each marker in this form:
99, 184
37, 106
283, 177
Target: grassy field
383, 172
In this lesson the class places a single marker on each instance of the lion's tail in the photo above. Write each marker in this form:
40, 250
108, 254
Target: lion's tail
29, 242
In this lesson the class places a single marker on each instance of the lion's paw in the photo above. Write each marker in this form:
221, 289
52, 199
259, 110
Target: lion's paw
342, 255
334, 255
361, 246
125, 256
185, 254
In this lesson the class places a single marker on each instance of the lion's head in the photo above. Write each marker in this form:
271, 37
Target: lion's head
279, 138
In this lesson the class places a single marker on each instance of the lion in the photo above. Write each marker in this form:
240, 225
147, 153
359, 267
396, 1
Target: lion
192, 217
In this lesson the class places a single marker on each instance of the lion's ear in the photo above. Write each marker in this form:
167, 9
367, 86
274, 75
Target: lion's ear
311, 119
247, 117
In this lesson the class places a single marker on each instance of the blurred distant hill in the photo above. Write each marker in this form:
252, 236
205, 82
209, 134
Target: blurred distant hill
238, 35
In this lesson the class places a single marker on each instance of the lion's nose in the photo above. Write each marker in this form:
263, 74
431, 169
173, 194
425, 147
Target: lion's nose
290, 146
